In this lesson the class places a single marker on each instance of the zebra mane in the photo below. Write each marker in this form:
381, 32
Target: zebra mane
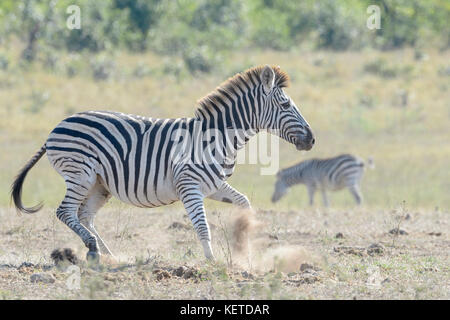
241, 81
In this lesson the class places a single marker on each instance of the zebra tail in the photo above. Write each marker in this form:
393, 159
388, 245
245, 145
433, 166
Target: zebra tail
16, 188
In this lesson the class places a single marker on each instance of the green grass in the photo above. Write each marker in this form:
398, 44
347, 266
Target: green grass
349, 108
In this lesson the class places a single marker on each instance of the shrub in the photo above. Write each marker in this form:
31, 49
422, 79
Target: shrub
382, 68
102, 67
4, 62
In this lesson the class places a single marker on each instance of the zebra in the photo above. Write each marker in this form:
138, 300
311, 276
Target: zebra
139, 160
325, 174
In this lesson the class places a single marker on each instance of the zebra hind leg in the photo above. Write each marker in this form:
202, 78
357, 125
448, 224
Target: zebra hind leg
356, 192
326, 203
78, 188
311, 191
96, 199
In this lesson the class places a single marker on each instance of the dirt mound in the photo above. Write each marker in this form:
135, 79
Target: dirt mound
307, 276
42, 277
184, 272
376, 249
398, 231
26, 268
64, 257
179, 226
372, 250
357, 251
161, 274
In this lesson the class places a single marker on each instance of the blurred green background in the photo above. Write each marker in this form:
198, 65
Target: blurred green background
380, 93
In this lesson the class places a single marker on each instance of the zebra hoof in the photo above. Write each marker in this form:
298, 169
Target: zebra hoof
93, 257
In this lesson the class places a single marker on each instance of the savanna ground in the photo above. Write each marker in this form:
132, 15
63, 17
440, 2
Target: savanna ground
392, 106
301, 254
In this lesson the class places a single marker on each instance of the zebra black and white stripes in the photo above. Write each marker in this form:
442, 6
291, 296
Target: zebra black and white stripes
150, 162
324, 174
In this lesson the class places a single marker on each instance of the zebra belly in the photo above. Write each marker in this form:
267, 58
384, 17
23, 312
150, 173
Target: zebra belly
145, 197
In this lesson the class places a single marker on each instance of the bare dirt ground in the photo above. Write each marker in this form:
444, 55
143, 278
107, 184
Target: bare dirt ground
308, 254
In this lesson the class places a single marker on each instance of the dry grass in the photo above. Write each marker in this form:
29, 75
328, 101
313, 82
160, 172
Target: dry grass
293, 255
350, 109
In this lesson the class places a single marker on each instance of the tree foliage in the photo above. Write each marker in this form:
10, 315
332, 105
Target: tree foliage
200, 31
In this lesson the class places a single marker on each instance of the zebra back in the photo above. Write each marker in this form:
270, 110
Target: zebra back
331, 173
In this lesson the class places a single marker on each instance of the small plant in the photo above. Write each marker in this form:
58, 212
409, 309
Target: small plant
38, 101
4, 62
444, 71
175, 68
398, 217
142, 70
6, 295
385, 70
102, 68
366, 100
50, 60
225, 245
73, 65
197, 61
275, 281
95, 287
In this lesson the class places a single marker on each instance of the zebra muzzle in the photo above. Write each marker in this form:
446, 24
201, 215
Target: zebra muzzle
301, 144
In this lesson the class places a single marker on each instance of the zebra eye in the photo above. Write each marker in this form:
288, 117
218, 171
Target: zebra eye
286, 104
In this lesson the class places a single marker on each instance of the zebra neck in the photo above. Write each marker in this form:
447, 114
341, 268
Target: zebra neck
292, 176
228, 139
235, 121
239, 112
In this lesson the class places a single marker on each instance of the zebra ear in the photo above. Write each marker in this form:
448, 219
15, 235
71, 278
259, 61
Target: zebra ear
267, 78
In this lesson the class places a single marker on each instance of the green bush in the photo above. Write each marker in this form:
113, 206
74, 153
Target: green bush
202, 32
338, 26
381, 67
102, 67
269, 28
412, 23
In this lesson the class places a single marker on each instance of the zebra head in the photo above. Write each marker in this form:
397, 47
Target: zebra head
280, 115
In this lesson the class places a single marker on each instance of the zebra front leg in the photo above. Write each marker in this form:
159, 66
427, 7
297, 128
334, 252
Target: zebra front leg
192, 199
88, 222
228, 194
311, 191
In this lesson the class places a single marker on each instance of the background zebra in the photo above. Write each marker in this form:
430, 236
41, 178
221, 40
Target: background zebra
325, 174
139, 160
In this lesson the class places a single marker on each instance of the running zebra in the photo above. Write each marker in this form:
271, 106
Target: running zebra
324, 174
149, 162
